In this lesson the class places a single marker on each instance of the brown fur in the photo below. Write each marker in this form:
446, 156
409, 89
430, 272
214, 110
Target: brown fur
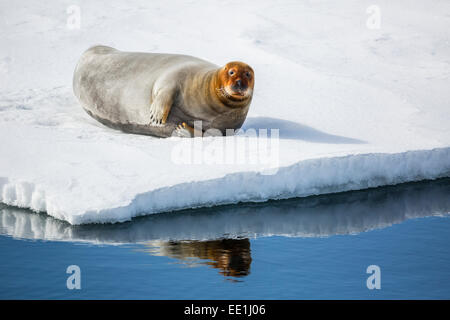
223, 79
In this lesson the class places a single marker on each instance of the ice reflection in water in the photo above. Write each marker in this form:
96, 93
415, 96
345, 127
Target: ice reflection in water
218, 237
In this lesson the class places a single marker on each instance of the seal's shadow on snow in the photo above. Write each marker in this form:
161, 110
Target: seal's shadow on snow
296, 131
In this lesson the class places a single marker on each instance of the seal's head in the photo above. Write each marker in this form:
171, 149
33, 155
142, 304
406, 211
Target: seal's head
236, 81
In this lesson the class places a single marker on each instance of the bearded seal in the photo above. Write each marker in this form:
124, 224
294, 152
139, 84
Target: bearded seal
158, 94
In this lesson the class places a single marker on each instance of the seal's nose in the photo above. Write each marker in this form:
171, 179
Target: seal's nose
239, 86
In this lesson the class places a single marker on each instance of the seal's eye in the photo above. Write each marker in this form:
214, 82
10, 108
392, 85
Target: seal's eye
248, 75
231, 72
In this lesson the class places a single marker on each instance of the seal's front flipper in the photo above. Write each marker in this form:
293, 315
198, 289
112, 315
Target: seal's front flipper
160, 107
184, 130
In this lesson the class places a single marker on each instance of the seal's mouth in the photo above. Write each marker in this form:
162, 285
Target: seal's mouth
241, 93
237, 93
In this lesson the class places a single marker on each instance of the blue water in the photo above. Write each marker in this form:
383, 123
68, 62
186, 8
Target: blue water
313, 248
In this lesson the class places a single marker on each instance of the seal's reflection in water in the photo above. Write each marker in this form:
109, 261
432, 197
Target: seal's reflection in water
218, 236
231, 256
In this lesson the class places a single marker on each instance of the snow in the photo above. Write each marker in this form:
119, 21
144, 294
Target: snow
356, 107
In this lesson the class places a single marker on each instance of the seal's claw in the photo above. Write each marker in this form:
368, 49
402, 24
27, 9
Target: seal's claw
183, 131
